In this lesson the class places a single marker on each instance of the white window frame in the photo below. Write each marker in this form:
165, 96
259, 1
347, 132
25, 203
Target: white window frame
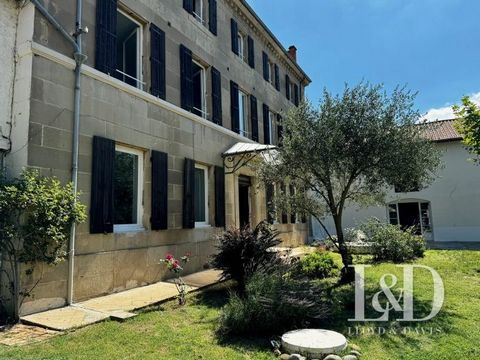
271, 70
243, 110
241, 45
139, 225
199, 17
203, 81
419, 203
205, 223
139, 35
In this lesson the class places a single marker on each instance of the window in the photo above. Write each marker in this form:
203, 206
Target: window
271, 121
201, 195
242, 46
393, 214
199, 90
271, 70
243, 113
129, 50
198, 10
128, 189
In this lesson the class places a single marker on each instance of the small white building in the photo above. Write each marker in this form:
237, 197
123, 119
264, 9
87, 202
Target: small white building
448, 210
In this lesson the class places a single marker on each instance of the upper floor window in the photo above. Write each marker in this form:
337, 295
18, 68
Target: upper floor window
243, 113
198, 10
271, 122
129, 50
199, 89
242, 50
271, 72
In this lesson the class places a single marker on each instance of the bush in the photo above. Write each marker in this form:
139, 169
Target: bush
272, 304
391, 243
319, 264
242, 252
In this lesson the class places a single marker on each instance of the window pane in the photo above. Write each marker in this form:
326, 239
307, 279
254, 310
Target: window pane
200, 195
125, 185
127, 50
198, 92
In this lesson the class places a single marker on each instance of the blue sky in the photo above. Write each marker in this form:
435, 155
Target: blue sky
432, 46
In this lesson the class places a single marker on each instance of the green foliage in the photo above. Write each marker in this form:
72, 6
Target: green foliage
349, 150
36, 214
391, 243
468, 125
319, 264
242, 252
273, 303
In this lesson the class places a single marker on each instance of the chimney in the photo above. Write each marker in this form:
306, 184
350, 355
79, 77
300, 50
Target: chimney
292, 52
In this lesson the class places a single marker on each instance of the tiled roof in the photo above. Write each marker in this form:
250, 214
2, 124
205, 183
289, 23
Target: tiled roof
441, 130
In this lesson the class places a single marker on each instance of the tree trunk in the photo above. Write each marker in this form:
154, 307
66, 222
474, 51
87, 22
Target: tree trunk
347, 273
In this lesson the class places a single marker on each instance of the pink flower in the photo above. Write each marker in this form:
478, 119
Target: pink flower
169, 257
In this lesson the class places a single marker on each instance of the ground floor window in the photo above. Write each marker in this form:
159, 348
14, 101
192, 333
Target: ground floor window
128, 188
411, 214
201, 195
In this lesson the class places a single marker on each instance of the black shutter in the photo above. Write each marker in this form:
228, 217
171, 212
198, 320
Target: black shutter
101, 202
266, 125
279, 130
277, 78
254, 117
212, 16
189, 194
293, 215
219, 196
295, 95
265, 66
283, 190
234, 33
251, 52
186, 80
106, 37
216, 96
269, 192
287, 86
157, 61
188, 5
159, 218
234, 107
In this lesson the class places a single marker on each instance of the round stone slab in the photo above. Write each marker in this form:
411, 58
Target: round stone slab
313, 342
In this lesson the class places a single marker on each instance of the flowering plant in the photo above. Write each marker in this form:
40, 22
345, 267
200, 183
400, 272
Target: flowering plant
174, 266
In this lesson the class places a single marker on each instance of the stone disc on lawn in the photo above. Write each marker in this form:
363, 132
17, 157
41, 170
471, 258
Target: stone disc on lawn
313, 342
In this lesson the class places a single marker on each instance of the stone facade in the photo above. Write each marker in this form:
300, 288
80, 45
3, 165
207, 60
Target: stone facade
106, 263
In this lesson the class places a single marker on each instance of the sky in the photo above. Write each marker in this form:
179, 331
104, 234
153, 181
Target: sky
431, 46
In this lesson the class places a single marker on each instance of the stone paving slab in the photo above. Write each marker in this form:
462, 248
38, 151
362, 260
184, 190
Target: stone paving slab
202, 279
66, 318
21, 334
119, 305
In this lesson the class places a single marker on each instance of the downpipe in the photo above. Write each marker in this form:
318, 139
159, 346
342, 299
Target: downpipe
76, 41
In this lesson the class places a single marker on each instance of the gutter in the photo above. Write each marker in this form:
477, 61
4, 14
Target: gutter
76, 41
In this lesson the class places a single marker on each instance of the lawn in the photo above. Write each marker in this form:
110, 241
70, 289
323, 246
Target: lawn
189, 332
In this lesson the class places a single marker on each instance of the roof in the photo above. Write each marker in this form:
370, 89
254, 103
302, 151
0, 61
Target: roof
277, 42
441, 130
243, 148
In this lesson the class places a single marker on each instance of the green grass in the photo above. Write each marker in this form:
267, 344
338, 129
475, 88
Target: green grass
189, 332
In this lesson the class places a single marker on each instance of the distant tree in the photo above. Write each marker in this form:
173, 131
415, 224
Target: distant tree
468, 125
347, 151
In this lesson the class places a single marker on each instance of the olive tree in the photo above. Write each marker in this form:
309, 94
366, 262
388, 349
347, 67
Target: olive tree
36, 214
468, 125
349, 150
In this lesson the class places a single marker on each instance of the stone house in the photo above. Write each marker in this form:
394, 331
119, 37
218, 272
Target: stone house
174, 96
446, 210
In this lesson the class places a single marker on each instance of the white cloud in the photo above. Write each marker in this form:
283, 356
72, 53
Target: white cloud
446, 112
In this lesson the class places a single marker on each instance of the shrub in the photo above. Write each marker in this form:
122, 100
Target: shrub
391, 243
272, 304
242, 252
319, 264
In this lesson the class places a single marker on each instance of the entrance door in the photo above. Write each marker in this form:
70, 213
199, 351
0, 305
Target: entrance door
409, 214
244, 200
